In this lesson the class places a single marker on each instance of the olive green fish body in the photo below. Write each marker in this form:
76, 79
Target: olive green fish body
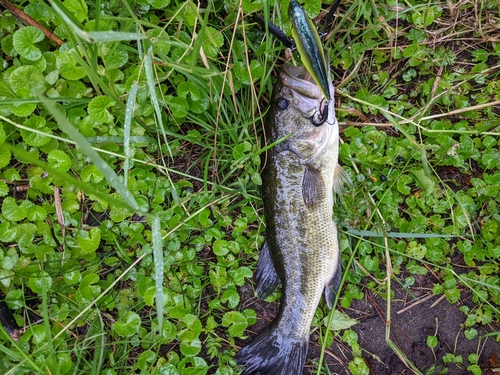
301, 248
309, 46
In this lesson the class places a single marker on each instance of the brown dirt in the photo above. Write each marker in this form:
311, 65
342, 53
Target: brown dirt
411, 323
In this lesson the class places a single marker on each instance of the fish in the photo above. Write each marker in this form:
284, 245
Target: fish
309, 46
301, 250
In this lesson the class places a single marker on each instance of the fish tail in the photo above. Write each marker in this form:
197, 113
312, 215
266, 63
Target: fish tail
271, 353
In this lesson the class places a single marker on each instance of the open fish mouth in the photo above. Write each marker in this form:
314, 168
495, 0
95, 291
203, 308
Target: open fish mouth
306, 95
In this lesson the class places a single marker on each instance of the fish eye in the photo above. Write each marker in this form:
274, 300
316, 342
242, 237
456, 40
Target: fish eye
282, 103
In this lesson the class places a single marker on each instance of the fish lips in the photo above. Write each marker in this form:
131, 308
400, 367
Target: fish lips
307, 96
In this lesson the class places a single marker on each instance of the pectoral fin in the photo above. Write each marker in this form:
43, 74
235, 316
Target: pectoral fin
332, 287
266, 276
313, 187
340, 180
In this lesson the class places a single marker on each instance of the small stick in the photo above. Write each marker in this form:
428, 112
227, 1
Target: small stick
415, 303
438, 300
18, 13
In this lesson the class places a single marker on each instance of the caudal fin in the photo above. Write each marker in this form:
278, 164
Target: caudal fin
273, 354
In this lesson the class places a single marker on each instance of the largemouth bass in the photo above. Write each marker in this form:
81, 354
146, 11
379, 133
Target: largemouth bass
301, 250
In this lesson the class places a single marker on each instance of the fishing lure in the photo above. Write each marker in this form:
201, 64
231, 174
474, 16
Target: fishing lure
307, 41
310, 47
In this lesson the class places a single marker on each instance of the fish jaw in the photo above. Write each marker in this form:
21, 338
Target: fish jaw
305, 103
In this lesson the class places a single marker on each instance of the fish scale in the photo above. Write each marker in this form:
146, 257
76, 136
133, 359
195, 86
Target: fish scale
301, 250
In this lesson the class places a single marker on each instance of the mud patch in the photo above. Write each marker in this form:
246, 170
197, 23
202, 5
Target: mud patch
414, 315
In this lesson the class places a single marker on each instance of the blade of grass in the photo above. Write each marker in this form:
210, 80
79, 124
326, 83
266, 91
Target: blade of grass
129, 111
82, 143
148, 65
19, 354
368, 233
159, 269
93, 36
46, 324
87, 188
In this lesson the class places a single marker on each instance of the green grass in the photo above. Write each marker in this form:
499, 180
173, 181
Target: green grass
131, 215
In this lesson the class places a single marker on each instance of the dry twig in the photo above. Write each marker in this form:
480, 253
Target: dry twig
19, 14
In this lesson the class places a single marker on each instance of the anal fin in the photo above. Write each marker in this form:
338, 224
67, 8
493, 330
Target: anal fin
331, 289
266, 276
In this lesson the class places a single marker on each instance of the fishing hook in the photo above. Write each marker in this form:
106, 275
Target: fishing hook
324, 114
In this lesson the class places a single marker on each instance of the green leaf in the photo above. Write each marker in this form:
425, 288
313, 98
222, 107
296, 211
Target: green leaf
64, 363
91, 174
231, 297
89, 240
236, 323
24, 42
220, 247
3, 136
24, 80
10, 259
36, 137
12, 211
160, 39
128, 325
98, 109
471, 333
68, 68
72, 277
7, 46
240, 274
36, 213
39, 11
432, 341
60, 160
168, 370
40, 282
312, 8
159, 4
178, 106
212, 42
185, 89
23, 109
117, 59
7, 232
78, 8
192, 330
452, 295
191, 348
5, 157
340, 321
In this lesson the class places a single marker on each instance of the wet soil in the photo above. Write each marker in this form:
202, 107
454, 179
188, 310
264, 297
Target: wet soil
414, 316
415, 313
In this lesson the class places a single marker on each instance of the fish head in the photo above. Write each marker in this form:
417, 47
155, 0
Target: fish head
299, 110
